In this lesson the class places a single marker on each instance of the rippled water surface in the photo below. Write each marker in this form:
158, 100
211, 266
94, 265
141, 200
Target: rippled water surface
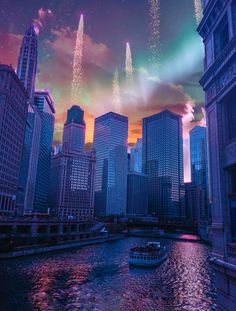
99, 278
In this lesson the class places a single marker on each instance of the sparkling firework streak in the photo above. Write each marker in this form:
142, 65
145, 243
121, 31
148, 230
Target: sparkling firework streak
154, 28
198, 10
76, 87
128, 64
116, 92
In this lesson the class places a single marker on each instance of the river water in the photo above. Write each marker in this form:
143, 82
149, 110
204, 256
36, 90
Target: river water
99, 278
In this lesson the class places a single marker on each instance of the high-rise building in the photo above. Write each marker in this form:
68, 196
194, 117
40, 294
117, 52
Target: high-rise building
218, 30
35, 167
110, 143
44, 104
199, 174
194, 202
198, 156
26, 71
162, 155
137, 194
13, 114
27, 61
74, 130
136, 157
73, 172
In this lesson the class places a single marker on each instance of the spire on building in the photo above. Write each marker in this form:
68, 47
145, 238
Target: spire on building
27, 60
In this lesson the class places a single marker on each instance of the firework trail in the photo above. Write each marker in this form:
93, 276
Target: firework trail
128, 64
116, 92
198, 10
154, 27
76, 86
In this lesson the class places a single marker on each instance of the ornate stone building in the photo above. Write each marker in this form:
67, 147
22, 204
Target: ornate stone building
218, 30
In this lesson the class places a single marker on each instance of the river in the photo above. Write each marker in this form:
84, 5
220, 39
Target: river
98, 278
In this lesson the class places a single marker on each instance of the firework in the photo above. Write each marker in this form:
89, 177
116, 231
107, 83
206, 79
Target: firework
154, 28
76, 87
198, 10
128, 64
116, 92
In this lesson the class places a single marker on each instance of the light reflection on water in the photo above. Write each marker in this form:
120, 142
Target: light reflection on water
99, 278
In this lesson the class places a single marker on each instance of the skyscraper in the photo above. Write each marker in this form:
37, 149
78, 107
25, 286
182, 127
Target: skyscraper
74, 130
137, 194
218, 30
26, 71
110, 143
198, 156
13, 114
27, 61
44, 104
199, 175
73, 172
136, 157
163, 163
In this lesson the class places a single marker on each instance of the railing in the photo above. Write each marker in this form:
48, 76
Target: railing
231, 251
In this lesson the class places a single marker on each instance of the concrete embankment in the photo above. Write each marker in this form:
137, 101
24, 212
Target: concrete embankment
39, 249
171, 236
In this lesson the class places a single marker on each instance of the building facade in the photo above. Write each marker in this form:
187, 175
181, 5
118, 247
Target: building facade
27, 61
199, 174
71, 194
72, 185
45, 106
136, 157
162, 161
74, 130
194, 202
110, 143
13, 115
26, 71
218, 30
137, 194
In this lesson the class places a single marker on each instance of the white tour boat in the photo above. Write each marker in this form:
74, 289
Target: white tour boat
152, 254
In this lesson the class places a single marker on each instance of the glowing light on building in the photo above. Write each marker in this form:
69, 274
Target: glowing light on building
198, 10
128, 64
116, 92
76, 87
154, 28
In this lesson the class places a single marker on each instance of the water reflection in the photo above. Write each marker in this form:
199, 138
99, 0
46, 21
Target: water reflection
99, 278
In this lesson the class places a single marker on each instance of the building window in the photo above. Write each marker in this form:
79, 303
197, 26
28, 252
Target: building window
208, 53
233, 219
231, 107
233, 10
221, 36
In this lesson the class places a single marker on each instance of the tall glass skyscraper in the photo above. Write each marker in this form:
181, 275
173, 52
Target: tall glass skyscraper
110, 143
45, 106
136, 157
163, 163
74, 130
198, 156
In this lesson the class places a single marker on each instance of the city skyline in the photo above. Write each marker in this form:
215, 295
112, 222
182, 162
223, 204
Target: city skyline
170, 86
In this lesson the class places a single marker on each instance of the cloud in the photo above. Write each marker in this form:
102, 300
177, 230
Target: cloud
43, 16
9, 48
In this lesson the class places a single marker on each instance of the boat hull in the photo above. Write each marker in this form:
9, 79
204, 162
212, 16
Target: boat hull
144, 263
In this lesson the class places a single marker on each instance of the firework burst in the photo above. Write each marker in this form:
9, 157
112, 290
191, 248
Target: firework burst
198, 10
154, 28
128, 64
76, 87
116, 92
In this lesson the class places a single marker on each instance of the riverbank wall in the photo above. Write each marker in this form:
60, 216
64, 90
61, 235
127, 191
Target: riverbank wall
39, 249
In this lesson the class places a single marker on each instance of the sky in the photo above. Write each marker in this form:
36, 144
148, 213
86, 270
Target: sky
166, 51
